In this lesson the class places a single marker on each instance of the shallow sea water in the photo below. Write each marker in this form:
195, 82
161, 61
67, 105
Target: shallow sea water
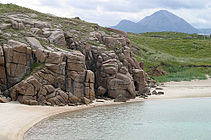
172, 119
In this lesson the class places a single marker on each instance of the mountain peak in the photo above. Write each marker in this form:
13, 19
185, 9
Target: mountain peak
163, 11
124, 21
160, 21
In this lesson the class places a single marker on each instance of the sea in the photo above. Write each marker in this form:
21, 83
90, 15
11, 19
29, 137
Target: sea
165, 119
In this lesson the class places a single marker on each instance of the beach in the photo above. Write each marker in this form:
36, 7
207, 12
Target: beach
16, 119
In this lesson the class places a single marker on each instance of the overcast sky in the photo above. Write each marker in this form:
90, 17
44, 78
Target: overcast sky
110, 12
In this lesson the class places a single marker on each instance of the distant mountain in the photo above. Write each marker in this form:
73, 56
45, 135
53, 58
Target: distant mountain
205, 31
160, 21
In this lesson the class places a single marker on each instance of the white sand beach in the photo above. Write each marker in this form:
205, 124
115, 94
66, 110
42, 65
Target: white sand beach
16, 119
185, 89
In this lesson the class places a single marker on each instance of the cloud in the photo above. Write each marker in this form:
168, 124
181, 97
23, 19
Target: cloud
128, 5
110, 12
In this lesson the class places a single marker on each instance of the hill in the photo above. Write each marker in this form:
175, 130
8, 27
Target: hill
205, 31
173, 56
160, 21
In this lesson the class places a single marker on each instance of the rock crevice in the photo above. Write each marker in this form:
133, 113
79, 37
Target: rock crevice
3, 71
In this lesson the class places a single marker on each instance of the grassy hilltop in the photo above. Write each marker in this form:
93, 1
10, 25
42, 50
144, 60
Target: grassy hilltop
182, 56
80, 28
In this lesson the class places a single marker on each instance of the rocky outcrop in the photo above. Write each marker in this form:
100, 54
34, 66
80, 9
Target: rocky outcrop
54, 66
57, 37
64, 76
16, 59
116, 71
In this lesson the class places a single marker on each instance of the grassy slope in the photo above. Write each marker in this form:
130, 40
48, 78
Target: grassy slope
82, 28
182, 56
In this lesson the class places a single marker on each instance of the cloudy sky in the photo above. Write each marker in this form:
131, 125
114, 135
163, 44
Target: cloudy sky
110, 12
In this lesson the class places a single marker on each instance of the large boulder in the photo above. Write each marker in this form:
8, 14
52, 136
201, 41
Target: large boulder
5, 26
57, 37
29, 100
120, 98
41, 54
17, 25
36, 31
58, 97
75, 62
3, 99
28, 87
110, 66
140, 81
18, 58
101, 91
34, 43
122, 84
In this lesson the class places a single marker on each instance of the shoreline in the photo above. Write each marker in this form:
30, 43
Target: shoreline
17, 118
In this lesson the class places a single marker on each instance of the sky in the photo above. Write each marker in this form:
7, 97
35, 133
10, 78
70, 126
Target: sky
110, 12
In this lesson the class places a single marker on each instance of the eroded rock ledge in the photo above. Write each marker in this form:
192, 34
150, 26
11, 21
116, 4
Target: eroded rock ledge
64, 70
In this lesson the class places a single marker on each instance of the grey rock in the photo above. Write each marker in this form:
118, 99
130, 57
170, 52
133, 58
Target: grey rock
5, 26
101, 91
34, 43
58, 38
160, 92
36, 31
120, 98
4, 99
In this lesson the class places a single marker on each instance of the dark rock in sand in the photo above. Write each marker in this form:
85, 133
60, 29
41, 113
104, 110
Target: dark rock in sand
120, 98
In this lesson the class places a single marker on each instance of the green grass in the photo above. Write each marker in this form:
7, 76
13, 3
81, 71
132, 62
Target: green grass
93, 43
106, 31
35, 68
183, 74
182, 56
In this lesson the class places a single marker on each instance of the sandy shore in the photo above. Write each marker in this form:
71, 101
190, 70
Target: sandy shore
186, 89
16, 119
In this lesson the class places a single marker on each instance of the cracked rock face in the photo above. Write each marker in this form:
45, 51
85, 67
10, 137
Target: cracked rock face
64, 75
15, 62
3, 79
51, 66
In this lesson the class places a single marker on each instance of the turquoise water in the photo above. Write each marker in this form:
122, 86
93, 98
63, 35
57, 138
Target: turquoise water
173, 119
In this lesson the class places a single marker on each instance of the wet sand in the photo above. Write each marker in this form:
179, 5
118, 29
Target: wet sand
16, 119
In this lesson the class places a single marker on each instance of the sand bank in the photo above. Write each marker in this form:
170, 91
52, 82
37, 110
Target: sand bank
16, 119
